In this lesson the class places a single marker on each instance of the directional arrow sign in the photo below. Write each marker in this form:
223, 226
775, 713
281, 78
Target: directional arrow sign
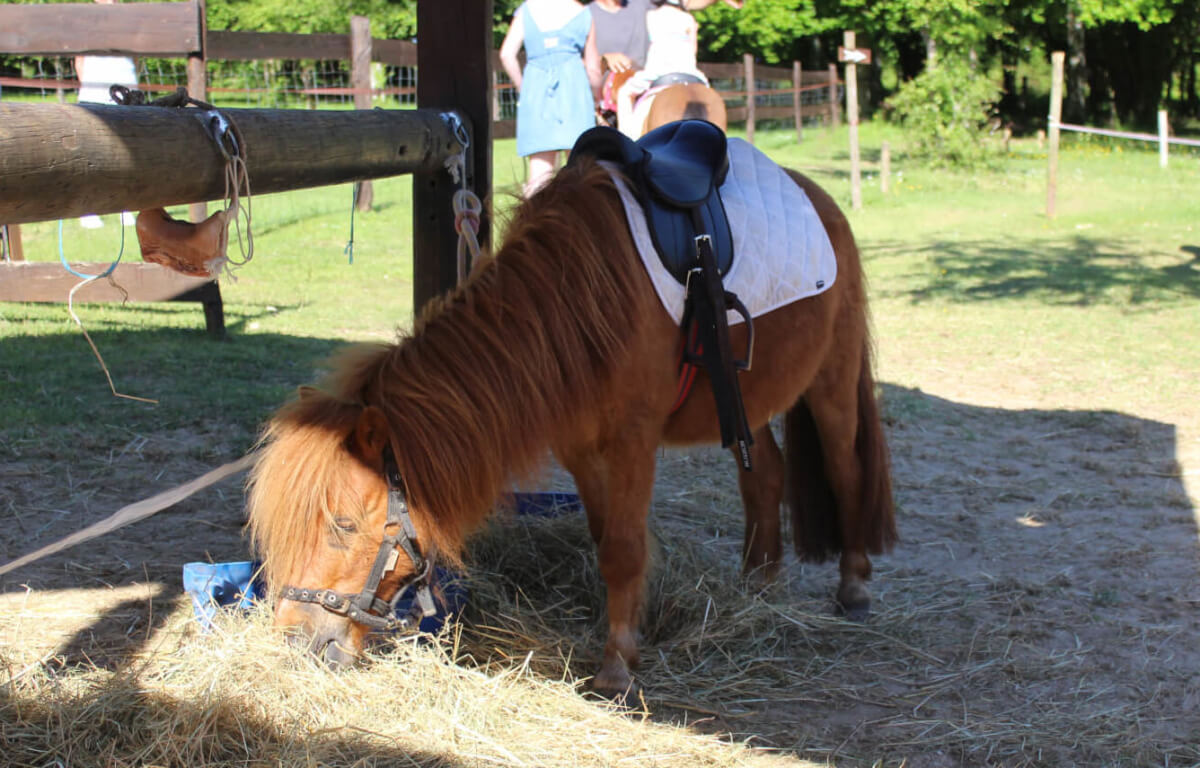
854, 55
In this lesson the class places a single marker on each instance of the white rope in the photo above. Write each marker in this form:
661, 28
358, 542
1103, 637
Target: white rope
131, 513
467, 207
1123, 134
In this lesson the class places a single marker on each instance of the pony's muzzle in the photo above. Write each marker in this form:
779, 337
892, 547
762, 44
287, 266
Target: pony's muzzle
329, 638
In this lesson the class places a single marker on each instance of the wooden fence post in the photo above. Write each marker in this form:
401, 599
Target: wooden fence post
885, 167
797, 82
833, 99
461, 82
852, 121
198, 89
751, 96
360, 82
12, 242
1163, 134
1056, 93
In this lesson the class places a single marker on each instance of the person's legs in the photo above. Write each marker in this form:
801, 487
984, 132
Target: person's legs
541, 168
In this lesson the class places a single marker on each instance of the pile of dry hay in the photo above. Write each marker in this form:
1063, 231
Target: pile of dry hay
504, 686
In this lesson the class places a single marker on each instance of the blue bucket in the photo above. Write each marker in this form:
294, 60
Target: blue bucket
546, 504
449, 597
216, 585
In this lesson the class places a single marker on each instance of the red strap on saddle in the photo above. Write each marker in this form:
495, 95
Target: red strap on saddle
689, 345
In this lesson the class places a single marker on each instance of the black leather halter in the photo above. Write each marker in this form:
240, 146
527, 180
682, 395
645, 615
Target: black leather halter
366, 607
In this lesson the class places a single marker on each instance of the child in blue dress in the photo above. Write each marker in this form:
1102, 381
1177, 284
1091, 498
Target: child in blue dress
560, 84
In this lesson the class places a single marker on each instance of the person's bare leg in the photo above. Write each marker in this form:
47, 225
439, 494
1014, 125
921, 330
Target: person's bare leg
541, 168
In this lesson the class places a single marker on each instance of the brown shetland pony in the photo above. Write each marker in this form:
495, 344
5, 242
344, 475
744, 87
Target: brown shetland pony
561, 344
677, 102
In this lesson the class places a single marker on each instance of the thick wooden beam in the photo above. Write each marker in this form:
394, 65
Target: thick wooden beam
138, 29
455, 73
49, 282
61, 161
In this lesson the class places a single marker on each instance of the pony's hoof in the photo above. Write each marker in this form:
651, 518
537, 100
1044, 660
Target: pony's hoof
620, 689
854, 602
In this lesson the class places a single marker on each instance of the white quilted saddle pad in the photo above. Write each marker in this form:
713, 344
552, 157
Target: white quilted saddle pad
781, 252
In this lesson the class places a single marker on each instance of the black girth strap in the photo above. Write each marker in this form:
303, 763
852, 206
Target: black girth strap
676, 171
366, 607
706, 305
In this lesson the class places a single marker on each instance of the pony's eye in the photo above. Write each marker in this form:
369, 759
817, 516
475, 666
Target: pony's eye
345, 524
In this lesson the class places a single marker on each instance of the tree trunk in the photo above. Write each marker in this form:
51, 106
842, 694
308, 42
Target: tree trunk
1074, 106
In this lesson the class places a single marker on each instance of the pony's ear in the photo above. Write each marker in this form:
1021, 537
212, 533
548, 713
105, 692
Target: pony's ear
306, 392
371, 433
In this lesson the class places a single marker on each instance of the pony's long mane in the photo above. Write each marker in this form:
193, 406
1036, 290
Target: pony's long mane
489, 378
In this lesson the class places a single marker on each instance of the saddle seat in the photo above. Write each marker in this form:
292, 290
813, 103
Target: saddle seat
675, 171
191, 249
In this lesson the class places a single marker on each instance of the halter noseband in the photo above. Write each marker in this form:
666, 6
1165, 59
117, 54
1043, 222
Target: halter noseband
366, 607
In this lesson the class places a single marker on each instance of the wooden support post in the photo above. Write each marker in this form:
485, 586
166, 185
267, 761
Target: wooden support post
360, 82
833, 99
885, 167
751, 95
1164, 131
198, 89
852, 122
1056, 94
797, 84
454, 72
13, 249
65, 161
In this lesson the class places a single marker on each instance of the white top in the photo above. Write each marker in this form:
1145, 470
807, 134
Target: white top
672, 32
100, 72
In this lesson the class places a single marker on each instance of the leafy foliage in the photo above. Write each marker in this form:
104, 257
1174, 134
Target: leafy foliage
946, 107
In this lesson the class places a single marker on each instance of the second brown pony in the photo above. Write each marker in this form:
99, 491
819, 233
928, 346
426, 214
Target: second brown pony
690, 101
561, 344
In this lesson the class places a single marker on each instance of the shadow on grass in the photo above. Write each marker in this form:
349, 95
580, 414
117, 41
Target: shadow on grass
71, 454
1079, 271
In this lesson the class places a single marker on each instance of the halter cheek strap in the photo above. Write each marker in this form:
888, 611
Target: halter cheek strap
366, 607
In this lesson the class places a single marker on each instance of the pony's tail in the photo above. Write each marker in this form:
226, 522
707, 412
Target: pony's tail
816, 527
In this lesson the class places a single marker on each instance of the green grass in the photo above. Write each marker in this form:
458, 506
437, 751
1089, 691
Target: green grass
968, 277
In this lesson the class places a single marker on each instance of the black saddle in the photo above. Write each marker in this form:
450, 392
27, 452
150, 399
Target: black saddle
676, 78
675, 171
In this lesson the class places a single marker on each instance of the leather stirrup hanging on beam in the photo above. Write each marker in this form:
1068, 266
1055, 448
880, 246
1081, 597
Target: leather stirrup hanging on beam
191, 249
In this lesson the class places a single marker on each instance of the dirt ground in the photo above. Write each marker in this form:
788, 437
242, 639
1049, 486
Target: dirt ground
1043, 607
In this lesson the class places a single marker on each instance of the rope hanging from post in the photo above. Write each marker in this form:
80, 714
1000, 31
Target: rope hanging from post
467, 207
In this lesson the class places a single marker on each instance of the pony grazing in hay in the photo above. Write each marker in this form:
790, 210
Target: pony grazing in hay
561, 343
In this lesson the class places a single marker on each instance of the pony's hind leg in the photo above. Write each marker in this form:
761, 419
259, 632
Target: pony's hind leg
762, 494
854, 456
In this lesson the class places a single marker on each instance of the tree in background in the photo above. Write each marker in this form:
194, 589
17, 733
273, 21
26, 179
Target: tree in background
1127, 57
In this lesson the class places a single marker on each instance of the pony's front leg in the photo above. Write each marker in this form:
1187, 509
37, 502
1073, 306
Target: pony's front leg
616, 485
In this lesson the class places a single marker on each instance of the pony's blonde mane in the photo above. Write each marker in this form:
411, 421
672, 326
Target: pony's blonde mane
487, 382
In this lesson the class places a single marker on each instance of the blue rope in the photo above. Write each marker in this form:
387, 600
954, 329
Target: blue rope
63, 258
